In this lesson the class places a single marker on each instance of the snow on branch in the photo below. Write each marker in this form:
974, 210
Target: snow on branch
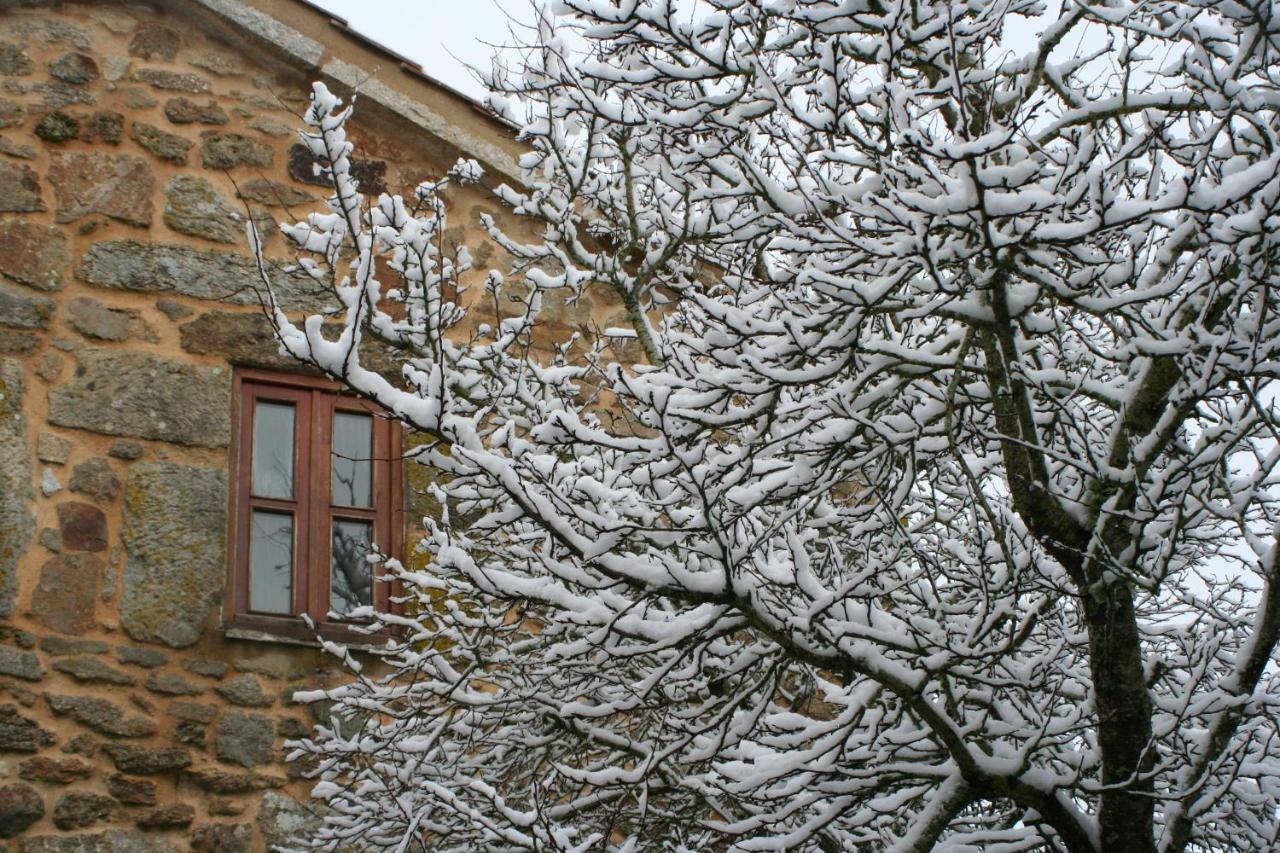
921, 490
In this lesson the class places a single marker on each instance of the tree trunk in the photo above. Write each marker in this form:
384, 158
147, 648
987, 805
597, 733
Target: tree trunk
1124, 720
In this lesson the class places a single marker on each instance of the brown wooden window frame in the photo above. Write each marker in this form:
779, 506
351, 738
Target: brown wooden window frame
315, 402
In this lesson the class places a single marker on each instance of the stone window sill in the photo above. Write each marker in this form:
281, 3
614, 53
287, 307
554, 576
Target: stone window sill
295, 632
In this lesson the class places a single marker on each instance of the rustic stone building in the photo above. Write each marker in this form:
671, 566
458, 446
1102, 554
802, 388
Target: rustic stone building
146, 664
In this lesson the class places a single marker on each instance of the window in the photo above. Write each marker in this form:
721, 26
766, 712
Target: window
315, 490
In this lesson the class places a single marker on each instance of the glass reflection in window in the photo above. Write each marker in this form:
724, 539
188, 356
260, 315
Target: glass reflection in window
273, 450
271, 562
352, 480
351, 583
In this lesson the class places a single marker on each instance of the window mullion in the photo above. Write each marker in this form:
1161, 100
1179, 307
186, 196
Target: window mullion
302, 537
383, 483
318, 564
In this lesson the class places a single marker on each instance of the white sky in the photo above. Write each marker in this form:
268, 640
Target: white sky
444, 36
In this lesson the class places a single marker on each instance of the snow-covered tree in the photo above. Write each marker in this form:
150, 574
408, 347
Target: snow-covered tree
934, 504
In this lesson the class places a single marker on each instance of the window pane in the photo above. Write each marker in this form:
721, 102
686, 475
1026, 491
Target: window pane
271, 562
352, 459
273, 450
352, 581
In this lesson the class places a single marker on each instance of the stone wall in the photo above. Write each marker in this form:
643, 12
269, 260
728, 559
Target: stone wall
132, 144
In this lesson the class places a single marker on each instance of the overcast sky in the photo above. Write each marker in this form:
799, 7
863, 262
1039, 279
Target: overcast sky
443, 35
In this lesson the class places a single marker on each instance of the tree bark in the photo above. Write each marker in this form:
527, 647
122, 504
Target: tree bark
1126, 807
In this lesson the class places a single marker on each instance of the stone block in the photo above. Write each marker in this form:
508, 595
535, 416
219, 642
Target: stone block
173, 309
292, 728
371, 175
193, 207
66, 596
271, 126
222, 838
186, 111
18, 663
136, 98
219, 780
14, 61
101, 322
101, 715
93, 671
199, 273
229, 150
114, 68
278, 662
132, 790
103, 126
20, 806
171, 81
51, 539
54, 94
59, 646
81, 809
16, 522
110, 841
171, 816
49, 484
281, 818
14, 342
19, 734
146, 760
174, 532
189, 733
172, 684
135, 394
12, 113
193, 712
54, 771
83, 526
18, 637
155, 41
82, 744
207, 668
244, 690
164, 145
14, 148
225, 807
145, 658
224, 63
125, 449
52, 448
245, 339
95, 478
75, 68
249, 340
273, 193
118, 186
276, 37
48, 31
25, 310
49, 367
23, 695
57, 126
245, 739
19, 188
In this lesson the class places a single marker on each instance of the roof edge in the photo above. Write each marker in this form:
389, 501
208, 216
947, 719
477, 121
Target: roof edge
300, 50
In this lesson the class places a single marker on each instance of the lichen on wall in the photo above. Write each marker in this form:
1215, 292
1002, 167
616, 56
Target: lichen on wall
16, 523
175, 519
